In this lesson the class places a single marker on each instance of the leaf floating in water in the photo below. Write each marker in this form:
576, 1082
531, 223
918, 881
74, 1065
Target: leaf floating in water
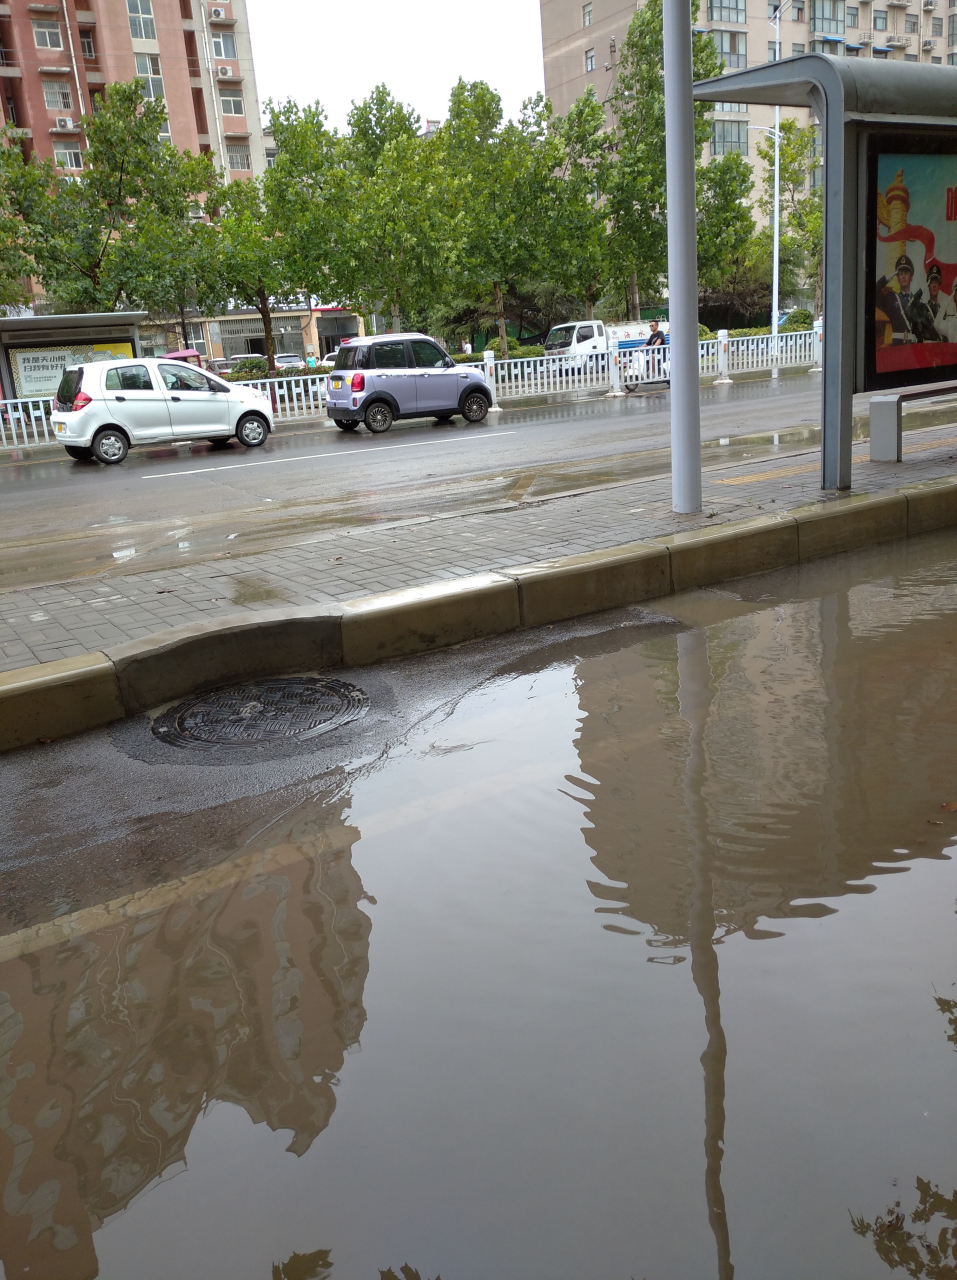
949, 806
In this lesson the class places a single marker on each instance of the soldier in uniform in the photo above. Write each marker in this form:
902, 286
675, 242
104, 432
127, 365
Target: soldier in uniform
894, 298
934, 300
946, 318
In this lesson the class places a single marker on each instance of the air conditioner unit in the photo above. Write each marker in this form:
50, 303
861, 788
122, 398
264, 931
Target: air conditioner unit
64, 122
224, 71
217, 13
930, 5
929, 44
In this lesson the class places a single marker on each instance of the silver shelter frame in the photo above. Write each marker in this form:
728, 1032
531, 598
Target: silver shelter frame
851, 97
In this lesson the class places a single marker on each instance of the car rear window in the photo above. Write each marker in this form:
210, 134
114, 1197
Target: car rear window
129, 377
69, 385
352, 358
390, 355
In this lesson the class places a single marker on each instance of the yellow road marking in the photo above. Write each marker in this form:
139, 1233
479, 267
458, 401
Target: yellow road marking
807, 468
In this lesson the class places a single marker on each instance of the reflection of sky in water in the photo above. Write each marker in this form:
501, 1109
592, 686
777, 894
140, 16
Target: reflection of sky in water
531, 1099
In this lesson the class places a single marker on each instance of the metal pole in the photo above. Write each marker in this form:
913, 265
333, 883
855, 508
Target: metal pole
776, 266
682, 259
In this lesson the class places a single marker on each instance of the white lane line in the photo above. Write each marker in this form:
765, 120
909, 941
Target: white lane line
306, 457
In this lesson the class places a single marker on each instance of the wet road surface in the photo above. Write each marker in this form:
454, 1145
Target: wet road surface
62, 519
612, 950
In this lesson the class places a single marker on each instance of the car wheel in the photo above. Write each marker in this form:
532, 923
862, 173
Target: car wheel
252, 431
632, 386
78, 452
343, 425
475, 408
110, 446
378, 417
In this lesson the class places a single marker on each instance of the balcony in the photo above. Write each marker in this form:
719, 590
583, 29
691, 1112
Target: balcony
898, 42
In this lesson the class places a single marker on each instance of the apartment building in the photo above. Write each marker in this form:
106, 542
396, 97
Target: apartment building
56, 59
581, 42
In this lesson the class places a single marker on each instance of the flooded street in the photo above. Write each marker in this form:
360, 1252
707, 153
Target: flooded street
621, 949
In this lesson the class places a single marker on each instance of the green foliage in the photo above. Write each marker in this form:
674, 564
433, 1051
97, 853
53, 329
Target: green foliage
85, 235
704, 333
800, 318
802, 209
253, 367
515, 352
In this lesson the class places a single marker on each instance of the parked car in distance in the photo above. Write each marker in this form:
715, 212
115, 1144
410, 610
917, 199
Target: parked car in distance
402, 375
289, 361
101, 410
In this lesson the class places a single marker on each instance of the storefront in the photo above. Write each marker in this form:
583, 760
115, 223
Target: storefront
34, 350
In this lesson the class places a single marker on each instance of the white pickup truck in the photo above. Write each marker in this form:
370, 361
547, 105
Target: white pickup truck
584, 342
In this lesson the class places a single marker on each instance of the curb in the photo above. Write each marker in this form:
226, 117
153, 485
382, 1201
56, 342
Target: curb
54, 699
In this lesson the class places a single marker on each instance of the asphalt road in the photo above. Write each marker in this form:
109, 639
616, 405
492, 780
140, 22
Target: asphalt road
61, 519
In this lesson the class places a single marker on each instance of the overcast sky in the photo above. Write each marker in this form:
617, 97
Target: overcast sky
336, 54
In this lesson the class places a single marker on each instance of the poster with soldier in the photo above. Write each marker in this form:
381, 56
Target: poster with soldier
913, 321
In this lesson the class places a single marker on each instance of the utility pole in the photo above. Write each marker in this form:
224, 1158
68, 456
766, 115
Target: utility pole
682, 259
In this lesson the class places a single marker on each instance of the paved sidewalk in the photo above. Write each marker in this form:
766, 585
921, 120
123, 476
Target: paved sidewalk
46, 623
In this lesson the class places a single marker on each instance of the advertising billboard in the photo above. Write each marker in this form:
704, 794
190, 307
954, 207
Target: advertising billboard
37, 370
911, 312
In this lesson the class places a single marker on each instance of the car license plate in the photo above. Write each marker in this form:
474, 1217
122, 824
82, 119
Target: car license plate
337, 383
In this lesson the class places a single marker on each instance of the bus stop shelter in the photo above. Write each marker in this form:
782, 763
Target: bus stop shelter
890, 198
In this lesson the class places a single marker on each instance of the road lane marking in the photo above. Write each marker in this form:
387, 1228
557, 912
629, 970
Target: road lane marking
306, 457
925, 446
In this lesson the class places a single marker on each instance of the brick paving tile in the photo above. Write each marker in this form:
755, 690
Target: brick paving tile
354, 562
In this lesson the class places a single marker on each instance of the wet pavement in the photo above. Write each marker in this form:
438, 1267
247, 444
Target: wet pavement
621, 949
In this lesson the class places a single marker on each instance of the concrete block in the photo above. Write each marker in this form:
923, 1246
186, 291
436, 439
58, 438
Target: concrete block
848, 524
570, 586
930, 506
415, 619
54, 699
733, 550
171, 664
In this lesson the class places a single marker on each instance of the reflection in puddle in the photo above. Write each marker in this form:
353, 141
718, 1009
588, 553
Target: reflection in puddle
758, 798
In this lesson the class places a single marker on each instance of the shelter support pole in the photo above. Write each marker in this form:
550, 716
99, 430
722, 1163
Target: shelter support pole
682, 259
840, 294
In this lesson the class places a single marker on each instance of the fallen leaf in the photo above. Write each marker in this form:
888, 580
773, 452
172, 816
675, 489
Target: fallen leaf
44, 740
935, 822
950, 806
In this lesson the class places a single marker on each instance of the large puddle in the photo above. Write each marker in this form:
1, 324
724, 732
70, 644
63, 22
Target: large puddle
634, 959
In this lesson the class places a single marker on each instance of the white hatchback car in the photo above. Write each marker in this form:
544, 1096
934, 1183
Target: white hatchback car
101, 410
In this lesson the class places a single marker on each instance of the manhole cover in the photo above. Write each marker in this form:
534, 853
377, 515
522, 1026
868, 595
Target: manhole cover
245, 715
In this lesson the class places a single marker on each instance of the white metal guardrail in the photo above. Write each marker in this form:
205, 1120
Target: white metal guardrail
25, 424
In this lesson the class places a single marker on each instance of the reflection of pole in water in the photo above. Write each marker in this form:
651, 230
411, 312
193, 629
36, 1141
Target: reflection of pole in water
694, 701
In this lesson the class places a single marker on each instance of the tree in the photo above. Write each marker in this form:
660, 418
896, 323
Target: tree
802, 210
635, 202
80, 232
578, 240
177, 268
725, 223
501, 188
257, 263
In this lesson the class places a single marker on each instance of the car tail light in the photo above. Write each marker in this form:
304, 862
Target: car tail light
358, 382
81, 400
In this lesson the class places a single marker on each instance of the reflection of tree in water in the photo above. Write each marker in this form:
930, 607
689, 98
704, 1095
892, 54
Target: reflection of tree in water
930, 1248
241, 983
318, 1266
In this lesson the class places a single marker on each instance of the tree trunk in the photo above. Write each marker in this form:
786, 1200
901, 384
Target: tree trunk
818, 289
262, 306
635, 300
182, 325
589, 309
500, 319
396, 317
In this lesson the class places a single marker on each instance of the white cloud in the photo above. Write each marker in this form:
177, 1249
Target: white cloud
339, 53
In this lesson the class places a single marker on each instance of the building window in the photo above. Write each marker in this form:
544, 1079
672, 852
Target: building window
68, 157
586, 15
142, 26
773, 8
937, 27
86, 44
911, 24
850, 16
952, 30
238, 158
731, 106
827, 16
853, 50
57, 95
589, 59
727, 136
197, 338
270, 159
732, 46
936, 61
772, 51
880, 19
46, 35
879, 53
797, 12
224, 44
911, 57
232, 101
796, 48
727, 11
148, 73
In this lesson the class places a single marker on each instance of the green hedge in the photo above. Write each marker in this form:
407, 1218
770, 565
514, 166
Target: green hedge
799, 319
